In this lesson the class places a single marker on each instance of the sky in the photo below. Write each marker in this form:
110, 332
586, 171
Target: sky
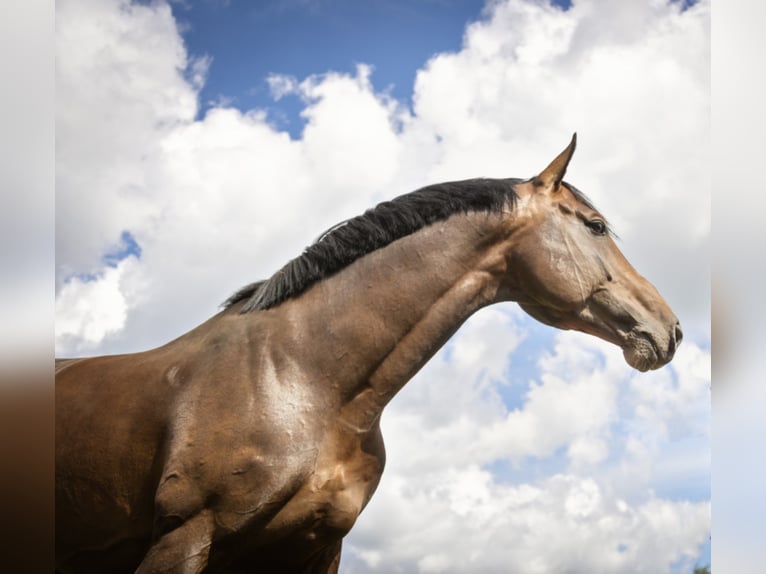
200, 145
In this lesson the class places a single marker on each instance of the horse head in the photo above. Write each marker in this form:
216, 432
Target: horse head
569, 273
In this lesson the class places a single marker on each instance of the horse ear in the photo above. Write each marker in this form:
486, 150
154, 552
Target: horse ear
551, 176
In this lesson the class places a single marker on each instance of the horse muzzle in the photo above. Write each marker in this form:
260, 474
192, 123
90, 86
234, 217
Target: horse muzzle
646, 351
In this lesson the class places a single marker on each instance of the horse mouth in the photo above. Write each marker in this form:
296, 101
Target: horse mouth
642, 352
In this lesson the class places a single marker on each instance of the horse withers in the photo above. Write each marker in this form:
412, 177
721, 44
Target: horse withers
252, 442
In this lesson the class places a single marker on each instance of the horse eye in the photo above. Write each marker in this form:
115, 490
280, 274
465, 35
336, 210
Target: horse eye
597, 226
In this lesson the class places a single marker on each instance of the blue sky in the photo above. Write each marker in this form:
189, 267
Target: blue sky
213, 182
251, 40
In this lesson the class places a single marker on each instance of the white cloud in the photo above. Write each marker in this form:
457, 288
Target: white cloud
588, 448
430, 464
120, 87
90, 309
281, 85
465, 521
440, 507
350, 140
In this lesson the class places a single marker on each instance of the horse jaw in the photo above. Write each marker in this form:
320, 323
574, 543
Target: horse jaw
643, 347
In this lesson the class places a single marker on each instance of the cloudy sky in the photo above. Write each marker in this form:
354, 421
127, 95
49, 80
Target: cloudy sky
201, 144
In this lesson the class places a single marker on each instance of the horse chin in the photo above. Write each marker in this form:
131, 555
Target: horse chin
641, 353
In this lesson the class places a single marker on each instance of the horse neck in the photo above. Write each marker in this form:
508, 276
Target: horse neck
377, 322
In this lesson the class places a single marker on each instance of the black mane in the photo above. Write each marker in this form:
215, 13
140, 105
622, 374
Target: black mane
377, 227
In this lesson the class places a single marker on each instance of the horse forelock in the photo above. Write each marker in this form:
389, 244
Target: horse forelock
379, 226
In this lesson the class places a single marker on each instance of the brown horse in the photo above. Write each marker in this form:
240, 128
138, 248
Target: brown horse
252, 443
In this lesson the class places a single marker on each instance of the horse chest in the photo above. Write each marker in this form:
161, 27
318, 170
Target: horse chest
332, 497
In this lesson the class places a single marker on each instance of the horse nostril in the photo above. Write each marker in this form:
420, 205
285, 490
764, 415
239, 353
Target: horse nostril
679, 334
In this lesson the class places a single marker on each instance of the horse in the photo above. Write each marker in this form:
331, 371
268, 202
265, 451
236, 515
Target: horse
253, 442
